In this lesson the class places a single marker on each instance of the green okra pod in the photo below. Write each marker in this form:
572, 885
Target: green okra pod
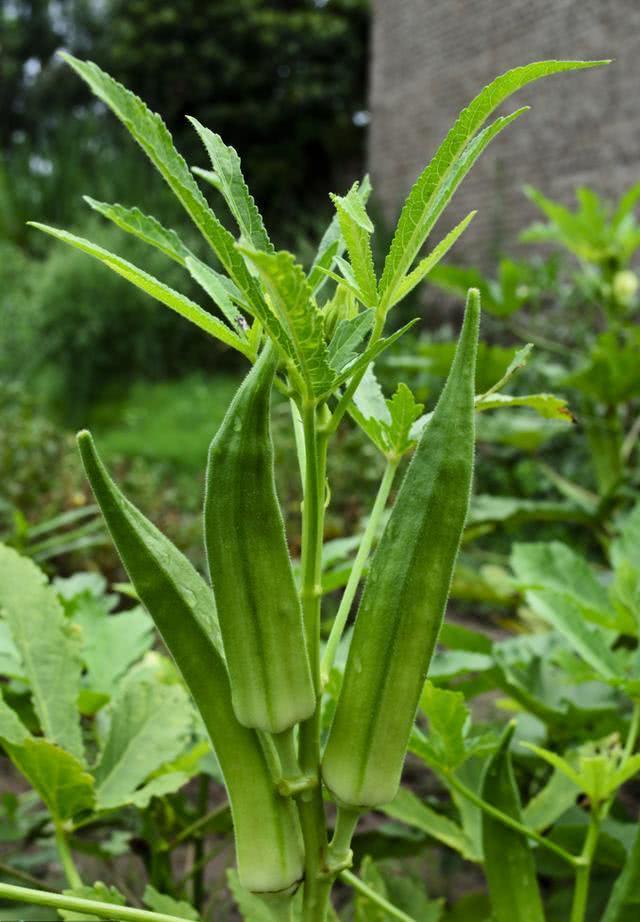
269, 851
258, 605
508, 860
404, 598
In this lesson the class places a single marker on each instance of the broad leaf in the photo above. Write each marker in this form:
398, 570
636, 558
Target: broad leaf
298, 314
60, 779
448, 718
150, 725
233, 187
160, 902
126, 636
455, 156
48, 649
548, 805
409, 809
99, 892
152, 286
152, 135
403, 410
145, 227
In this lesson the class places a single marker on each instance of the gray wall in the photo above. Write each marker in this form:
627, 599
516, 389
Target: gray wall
430, 57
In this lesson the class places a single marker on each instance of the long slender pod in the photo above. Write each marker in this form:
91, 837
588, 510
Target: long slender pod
405, 595
258, 605
268, 844
508, 860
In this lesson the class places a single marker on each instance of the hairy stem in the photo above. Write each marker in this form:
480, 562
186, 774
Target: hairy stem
317, 885
356, 571
356, 884
509, 821
82, 906
66, 858
583, 873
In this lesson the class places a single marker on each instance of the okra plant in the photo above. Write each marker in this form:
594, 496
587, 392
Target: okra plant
247, 642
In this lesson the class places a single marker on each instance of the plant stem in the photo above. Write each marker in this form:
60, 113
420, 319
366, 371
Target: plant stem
583, 873
198, 825
82, 906
509, 821
199, 856
370, 894
632, 735
66, 858
22, 876
356, 571
340, 847
317, 884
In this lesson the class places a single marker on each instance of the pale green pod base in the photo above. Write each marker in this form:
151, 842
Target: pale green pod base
269, 849
405, 596
258, 605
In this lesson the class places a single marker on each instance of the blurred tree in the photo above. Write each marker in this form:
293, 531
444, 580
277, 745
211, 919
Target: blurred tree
283, 81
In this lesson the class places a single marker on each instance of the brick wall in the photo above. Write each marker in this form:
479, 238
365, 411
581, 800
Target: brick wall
430, 57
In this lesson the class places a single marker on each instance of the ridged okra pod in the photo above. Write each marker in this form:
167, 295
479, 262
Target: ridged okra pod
405, 595
269, 850
258, 605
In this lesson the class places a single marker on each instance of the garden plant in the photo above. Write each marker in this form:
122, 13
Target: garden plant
304, 731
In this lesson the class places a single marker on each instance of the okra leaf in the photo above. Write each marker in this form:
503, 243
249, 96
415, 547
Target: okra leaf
298, 315
232, 185
625, 547
47, 646
160, 902
508, 861
60, 778
448, 718
455, 156
152, 286
99, 892
370, 354
146, 227
624, 902
150, 725
12, 730
127, 636
547, 405
426, 265
409, 809
365, 909
347, 337
561, 588
404, 410
148, 129
548, 805
356, 229
332, 244
221, 290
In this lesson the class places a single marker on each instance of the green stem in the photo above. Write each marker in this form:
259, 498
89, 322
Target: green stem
358, 566
374, 897
199, 854
66, 858
22, 876
632, 735
509, 821
285, 744
82, 906
198, 825
317, 885
340, 847
583, 872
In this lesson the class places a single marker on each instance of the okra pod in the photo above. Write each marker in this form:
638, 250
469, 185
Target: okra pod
269, 850
405, 596
508, 860
258, 605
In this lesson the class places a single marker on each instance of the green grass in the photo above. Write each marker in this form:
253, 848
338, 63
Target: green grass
171, 422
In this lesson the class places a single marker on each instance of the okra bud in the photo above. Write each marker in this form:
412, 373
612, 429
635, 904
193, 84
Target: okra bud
258, 605
405, 596
269, 850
